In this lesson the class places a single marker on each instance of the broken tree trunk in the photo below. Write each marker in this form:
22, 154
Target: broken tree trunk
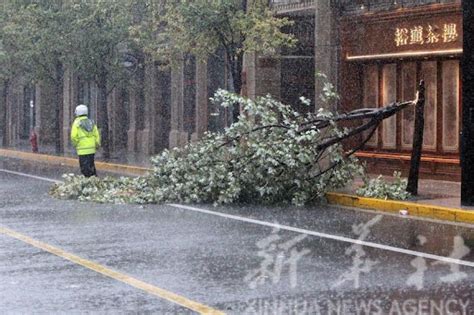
412, 186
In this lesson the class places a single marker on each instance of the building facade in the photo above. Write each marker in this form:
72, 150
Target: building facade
376, 52
373, 51
156, 108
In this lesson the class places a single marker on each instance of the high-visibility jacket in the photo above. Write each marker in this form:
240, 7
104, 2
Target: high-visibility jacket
85, 136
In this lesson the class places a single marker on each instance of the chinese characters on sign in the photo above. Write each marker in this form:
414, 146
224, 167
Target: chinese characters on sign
424, 35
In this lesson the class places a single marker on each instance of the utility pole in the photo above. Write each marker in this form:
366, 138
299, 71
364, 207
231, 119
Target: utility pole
467, 136
412, 185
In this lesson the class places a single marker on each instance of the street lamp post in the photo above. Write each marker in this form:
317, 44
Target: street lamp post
467, 136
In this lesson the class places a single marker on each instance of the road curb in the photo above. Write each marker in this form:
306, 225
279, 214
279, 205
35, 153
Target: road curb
73, 162
393, 206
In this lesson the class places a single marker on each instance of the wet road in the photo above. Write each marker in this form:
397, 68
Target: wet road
240, 259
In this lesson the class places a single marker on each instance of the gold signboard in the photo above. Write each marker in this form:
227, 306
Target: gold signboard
426, 35
400, 36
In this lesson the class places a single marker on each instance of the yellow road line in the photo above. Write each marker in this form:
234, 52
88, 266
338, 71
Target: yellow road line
161, 293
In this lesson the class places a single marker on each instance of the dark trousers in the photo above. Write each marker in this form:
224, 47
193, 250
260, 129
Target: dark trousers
86, 162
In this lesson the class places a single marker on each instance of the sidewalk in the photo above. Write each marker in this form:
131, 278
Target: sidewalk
118, 166
440, 200
432, 192
121, 156
437, 199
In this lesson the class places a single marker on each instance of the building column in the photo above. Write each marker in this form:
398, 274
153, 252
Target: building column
11, 108
11, 115
178, 137
326, 48
45, 116
41, 131
70, 97
136, 102
161, 107
132, 120
8, 115
3, 112
263, 76
15, 107
113, 105
93, 100
24, 111
201, 113
151, 92
37, 109
249, 70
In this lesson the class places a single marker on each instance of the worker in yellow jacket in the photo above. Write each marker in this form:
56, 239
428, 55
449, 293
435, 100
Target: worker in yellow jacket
85, 138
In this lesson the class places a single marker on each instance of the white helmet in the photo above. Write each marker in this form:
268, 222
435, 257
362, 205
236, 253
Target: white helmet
81, 110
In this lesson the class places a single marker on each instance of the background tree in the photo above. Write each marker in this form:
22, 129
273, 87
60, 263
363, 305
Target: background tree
89, 37
201, 28
6, 72
36, 36
100, 40
93, 37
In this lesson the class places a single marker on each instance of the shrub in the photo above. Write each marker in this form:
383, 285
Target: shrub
382, 189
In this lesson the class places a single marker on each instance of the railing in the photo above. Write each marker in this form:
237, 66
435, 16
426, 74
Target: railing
353, 6
291, 5
359, 6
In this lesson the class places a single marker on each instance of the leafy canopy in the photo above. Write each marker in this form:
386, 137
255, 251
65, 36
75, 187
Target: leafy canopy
100, 37
201, 27
87, 36
36, 37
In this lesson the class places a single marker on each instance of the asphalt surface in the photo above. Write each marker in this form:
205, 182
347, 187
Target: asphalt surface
232, 259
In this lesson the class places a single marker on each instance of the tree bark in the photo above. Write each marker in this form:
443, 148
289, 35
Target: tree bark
235, 67
412, 186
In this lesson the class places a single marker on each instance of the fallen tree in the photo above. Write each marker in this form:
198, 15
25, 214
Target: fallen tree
272, 154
